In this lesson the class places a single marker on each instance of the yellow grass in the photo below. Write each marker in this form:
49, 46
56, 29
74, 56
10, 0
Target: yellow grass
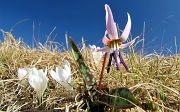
154, 80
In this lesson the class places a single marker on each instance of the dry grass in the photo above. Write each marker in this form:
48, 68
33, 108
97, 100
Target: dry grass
155, 80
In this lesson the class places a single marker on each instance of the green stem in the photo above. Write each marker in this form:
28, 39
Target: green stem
39, 98
101, 75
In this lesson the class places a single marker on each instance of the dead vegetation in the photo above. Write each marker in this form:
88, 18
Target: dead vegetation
154, 80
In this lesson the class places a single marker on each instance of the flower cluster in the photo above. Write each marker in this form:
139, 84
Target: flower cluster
38, 79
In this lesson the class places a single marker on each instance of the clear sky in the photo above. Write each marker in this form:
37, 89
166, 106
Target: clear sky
87, 18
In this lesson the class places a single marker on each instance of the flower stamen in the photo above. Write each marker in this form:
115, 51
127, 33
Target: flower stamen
114, 43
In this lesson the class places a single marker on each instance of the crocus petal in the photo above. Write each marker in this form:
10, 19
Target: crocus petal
67, 66
63, 76
66, 85
54, 75
69, 79
97, 56
122, 46
59, 72
126, 30
38, 80
23, 73
93, 47
110, 24
66, 74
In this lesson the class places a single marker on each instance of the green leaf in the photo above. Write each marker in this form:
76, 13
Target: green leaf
121, 98
88, 77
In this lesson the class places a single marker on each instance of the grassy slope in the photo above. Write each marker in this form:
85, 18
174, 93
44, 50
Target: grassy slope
155, 80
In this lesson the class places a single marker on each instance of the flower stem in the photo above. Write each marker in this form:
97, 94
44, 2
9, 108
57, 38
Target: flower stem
39, 98
101, 75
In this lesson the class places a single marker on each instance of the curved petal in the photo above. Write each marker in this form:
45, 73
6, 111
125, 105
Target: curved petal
97, 56
38, 80
59, 72
67, 66
105, 40
65, 74
23, 73
110, 24
69, 79
42, 83
126, 30
54, 75
92, 47
122, 46
66, 85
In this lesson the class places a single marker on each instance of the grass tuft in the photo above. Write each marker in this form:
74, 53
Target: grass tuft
153, 79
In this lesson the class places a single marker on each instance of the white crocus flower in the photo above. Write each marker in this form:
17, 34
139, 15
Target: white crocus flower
23, 73
63, 76
38, 80
97, 56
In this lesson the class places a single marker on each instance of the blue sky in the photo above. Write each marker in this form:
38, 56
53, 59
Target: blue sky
87, 18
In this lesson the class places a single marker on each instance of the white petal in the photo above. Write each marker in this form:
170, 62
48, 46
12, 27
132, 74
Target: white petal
92, 47
34, 79
67, 66
22, 73
38, 80
97, 56
66, 85
69, 79
55, 76
43, 83
59, 72
66, 74
104, 49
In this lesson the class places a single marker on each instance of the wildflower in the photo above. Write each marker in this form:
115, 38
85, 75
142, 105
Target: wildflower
113, 42
97, 56
23, 73
63, 76
38, 80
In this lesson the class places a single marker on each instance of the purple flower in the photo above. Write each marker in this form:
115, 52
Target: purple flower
113, 42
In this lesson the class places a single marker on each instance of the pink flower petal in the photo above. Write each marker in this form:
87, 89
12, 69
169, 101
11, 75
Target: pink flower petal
105, 40
127, 29
110, 24
122, 46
